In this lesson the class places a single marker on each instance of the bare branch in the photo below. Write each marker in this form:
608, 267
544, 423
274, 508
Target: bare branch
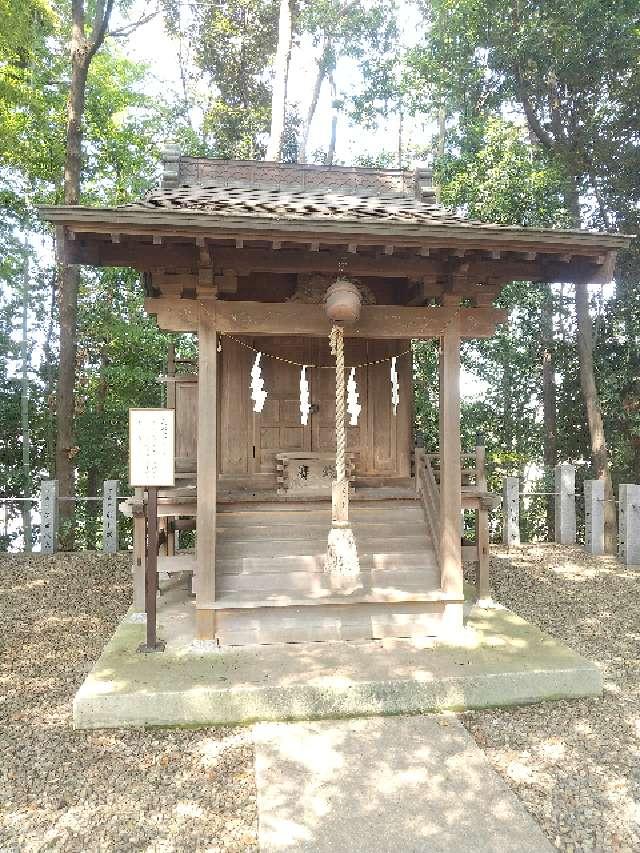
100, 24
125, 31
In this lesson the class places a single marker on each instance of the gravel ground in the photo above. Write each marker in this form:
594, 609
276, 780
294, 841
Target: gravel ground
122, 790
575, 765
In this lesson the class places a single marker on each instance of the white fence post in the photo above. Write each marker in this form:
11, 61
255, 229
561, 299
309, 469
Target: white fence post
629, 526
48, 516
594, 517
110, 516
511, 511
565, 503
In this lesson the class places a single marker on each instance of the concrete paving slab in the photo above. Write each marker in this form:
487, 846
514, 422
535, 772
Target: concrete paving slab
384, 785
500, 660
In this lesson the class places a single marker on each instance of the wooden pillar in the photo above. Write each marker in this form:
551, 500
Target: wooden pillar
450, 474
483, 591
207, 472
139, 551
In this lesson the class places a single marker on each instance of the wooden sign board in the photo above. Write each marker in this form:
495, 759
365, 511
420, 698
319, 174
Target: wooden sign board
151, 447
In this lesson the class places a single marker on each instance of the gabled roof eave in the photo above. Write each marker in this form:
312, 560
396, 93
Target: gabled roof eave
325, 227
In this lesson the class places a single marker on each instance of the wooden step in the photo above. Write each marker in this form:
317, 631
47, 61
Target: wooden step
331, 621
177, 563
241, 520
248, 600
228, 549
316, 562
397, 583
362, 529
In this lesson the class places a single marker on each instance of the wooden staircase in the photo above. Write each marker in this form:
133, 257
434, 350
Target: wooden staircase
271, 585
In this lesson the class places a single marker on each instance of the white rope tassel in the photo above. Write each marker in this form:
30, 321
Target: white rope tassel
395, 387
353, 406
342, 555
258, 394
305, 405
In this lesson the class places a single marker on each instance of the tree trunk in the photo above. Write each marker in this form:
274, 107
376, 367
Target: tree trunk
584, 344
82, 52
334, 121
315, 94
50, 380
279, 94
549, 400
599, 449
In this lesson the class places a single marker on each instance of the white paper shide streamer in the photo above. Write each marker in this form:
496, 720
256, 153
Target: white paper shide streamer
395, 387
258, 394
305, 405
353, 406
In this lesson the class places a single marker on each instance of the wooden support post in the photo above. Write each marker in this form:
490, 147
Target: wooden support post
49, 516
451, 576
565, 510
139, 552
483, 592
152, 643
594, 517
162, 536
110, 516
629, 534
207, 472
171, 537
511, 511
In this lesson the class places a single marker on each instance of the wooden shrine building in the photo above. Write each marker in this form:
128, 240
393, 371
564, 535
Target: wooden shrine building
242, 254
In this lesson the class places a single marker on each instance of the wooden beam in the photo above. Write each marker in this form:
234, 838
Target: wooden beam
423, 290
174, 315
387, 322
451, 576
140, 256
207, 470
299, 261
227, 282
186, 256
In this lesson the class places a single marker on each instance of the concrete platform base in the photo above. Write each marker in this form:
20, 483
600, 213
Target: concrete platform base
500, 660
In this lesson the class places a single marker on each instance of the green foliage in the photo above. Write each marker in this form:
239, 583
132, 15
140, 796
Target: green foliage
233, 43
494, 175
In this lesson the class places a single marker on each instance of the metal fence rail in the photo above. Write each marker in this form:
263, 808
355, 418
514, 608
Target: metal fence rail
49, 501
565, 496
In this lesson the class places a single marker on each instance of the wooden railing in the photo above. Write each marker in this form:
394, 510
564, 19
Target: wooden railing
429, 493
474, 497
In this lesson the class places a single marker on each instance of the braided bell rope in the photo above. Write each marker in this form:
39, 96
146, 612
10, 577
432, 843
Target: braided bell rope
336, 340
